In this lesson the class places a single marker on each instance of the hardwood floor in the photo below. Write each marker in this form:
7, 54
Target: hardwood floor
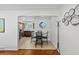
26, 42
30, 52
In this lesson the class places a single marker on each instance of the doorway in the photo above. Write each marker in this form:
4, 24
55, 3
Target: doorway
30, 27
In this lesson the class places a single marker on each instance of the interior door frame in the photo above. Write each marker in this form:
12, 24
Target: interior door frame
18, 27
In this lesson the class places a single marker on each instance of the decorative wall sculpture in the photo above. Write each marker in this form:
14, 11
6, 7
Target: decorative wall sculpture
42, 25
72, 16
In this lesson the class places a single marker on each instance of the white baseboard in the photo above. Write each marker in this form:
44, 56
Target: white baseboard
8, 48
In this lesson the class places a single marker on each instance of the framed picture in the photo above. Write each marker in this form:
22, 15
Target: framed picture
2, 25
29, 25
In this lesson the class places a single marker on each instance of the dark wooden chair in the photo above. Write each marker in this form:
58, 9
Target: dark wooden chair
39, 38
45, 37
33, 35
20, 34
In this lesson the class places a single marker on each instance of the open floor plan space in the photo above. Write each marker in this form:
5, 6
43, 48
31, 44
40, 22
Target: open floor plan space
39, 29
35, 32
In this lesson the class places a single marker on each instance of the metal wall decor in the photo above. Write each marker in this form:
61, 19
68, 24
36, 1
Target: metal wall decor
77, 10
75, 20
66, 23
69, 18
63, 20
66, 14
71, 11
72, 16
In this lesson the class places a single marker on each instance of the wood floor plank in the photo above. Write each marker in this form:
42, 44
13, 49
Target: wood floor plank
30, 52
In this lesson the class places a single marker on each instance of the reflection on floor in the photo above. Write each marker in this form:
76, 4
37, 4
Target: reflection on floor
25, 43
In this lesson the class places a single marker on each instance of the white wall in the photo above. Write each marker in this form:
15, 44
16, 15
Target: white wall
69, 35
9, 39
53, 30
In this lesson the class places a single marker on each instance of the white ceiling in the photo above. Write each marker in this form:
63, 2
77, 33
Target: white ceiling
29, 6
